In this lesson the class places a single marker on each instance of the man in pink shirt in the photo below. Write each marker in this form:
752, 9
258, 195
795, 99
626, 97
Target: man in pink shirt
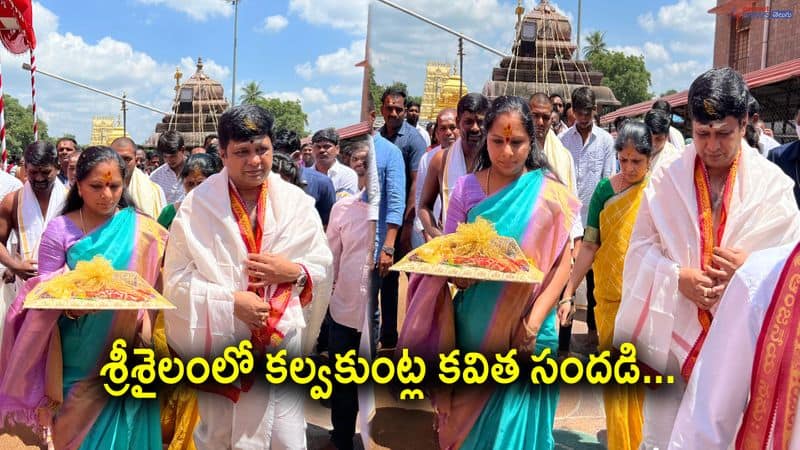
349, 329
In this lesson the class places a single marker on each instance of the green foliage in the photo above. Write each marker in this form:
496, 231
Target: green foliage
376, 90
625, 75
19, 126
251, 93
288, 114
596, 44
669, 92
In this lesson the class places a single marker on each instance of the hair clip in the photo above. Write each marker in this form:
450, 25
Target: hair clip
250, 125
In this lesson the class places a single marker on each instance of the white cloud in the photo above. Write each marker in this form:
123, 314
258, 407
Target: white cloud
401, 45
284, 95
348, 15
321, 112
334, 115
314, 95
630, 50
689, 29
647, 22
705, 48
686, 16
352, 90
306, 96
655, 53
200, 10
275, 23
342, 62
305, 70
677, 75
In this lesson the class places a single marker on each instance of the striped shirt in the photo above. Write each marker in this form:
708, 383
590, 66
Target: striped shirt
594, 160
169, 182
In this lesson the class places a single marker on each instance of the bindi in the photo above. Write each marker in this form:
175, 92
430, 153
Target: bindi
507, 133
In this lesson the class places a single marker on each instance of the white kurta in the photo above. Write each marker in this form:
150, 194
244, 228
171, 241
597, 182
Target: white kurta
718, 389
204, 265
654, 315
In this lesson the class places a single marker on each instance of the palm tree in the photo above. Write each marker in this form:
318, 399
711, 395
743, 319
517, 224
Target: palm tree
596, 44
251, 93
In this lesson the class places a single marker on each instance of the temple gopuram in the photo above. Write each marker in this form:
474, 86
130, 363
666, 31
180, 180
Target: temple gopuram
105, 129
543, 60
198, 103
442, 90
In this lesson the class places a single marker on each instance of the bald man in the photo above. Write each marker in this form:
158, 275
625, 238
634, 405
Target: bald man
147, 195
446, 132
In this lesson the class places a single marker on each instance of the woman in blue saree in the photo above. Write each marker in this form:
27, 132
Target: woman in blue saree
516, 191
59, 354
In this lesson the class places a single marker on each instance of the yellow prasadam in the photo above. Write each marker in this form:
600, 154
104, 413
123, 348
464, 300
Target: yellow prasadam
96, 285
474, 251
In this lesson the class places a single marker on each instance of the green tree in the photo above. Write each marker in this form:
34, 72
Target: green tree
625, 75
669, 92
376, 90
19, 126
596, 44
251, 93
417, 98
288, 114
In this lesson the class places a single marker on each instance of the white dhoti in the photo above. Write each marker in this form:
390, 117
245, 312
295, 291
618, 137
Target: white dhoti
266, 417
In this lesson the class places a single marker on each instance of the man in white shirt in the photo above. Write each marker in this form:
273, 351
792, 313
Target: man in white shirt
593, 153
171, 148
325, 144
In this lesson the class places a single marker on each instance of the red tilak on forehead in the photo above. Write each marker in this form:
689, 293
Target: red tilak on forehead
507, 133
107, 176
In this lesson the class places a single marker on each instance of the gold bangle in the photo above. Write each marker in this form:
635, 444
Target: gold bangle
566, 300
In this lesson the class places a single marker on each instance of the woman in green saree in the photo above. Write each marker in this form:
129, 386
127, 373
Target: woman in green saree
516, 191
51, 359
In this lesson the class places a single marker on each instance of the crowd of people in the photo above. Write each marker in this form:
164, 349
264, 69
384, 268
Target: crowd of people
689, 251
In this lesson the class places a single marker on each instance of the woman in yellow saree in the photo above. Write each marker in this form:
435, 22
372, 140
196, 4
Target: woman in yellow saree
612, 213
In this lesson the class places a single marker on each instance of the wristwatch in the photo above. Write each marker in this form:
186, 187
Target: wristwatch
301, 279
388, 250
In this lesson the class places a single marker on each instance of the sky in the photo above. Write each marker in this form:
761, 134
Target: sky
676, 37
296, 49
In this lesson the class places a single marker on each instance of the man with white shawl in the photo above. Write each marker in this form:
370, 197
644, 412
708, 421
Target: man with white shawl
699, 219
26, 212
247, 259
751, 341
147, 195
